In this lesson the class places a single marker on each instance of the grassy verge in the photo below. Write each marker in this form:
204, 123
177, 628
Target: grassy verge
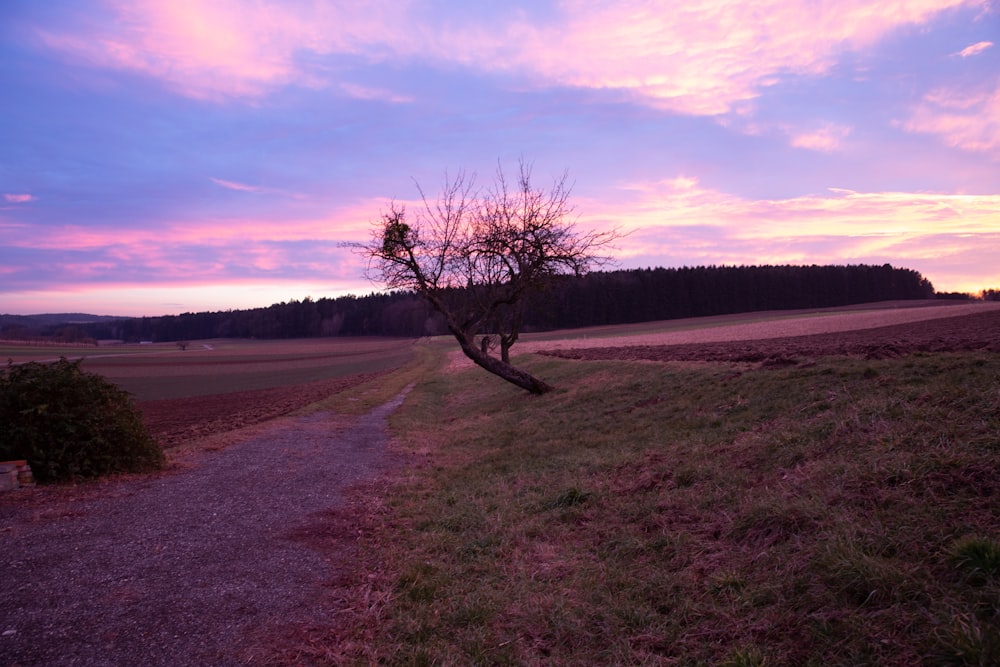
843, 513
364, 398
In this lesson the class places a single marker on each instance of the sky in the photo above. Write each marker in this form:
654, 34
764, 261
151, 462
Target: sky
170, 156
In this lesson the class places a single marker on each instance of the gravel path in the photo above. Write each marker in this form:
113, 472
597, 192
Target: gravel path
185, 568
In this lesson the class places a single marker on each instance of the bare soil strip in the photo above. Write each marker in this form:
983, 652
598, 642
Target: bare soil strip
176, 421
190, 567
774, 324
976, 330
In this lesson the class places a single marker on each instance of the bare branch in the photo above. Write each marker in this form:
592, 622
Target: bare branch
476, 254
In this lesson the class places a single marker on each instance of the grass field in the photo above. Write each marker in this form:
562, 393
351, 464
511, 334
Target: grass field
842, 512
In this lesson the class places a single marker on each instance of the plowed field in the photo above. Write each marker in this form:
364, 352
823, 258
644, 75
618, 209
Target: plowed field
178, 421
978, 331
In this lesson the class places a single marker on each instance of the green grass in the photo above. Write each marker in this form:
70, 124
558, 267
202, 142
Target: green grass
843, 513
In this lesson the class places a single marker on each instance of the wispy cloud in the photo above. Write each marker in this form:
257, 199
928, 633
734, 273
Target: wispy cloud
18, 198
233, 185
378, 94
941, 234
973, 49
683, 201
680, 218
704, 57
349, 222
966, 119
223, 49
256, 189
828, 138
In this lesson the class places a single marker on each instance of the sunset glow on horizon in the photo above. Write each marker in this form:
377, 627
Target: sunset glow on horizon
165, 157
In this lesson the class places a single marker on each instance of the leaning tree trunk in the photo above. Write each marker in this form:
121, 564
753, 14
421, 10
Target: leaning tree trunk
515, 376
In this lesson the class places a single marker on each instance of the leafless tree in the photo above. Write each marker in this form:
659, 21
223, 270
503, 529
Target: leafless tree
476, 254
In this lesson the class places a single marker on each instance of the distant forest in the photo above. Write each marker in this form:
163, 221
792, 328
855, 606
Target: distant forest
599, 298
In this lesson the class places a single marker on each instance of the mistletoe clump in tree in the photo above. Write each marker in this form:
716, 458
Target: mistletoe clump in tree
476, 254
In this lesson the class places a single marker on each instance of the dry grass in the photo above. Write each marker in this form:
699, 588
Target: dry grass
840, 513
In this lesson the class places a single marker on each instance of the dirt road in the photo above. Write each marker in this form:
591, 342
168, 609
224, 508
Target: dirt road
192, 567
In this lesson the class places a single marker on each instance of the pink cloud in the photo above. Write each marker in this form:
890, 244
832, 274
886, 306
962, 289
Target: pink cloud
233, 185
951, 238
19, 198
227, 48
127, 299
682, 219
705, 57
379, 94
346, 222
257, 189
974, 49
828, 138
964, 119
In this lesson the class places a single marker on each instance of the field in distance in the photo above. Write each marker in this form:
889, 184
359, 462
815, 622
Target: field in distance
164, 371
221, 385
756, 325
217, 386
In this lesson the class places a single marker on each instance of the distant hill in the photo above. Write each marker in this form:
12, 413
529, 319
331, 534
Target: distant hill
60, 327
50, 319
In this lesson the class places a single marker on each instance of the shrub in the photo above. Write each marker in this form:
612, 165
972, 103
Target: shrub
68, 423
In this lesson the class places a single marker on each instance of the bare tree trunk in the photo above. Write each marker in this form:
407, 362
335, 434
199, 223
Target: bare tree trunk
506, 341
515, 376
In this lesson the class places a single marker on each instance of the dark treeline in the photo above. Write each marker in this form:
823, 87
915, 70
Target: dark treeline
643, 295
599, 298
392, 314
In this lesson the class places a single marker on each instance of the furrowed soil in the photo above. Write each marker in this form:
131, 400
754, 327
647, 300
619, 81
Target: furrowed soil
977, 331
174, 422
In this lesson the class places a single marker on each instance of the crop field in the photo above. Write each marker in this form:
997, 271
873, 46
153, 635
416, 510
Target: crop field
227, 366
755, 326
222, 385
19, 352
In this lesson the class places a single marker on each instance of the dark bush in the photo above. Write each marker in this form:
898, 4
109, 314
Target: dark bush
68, 423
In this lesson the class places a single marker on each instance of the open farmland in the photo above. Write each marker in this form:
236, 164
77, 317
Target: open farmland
976, 328
222, 385
756, 498
226, 366
741, 327
834, 507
